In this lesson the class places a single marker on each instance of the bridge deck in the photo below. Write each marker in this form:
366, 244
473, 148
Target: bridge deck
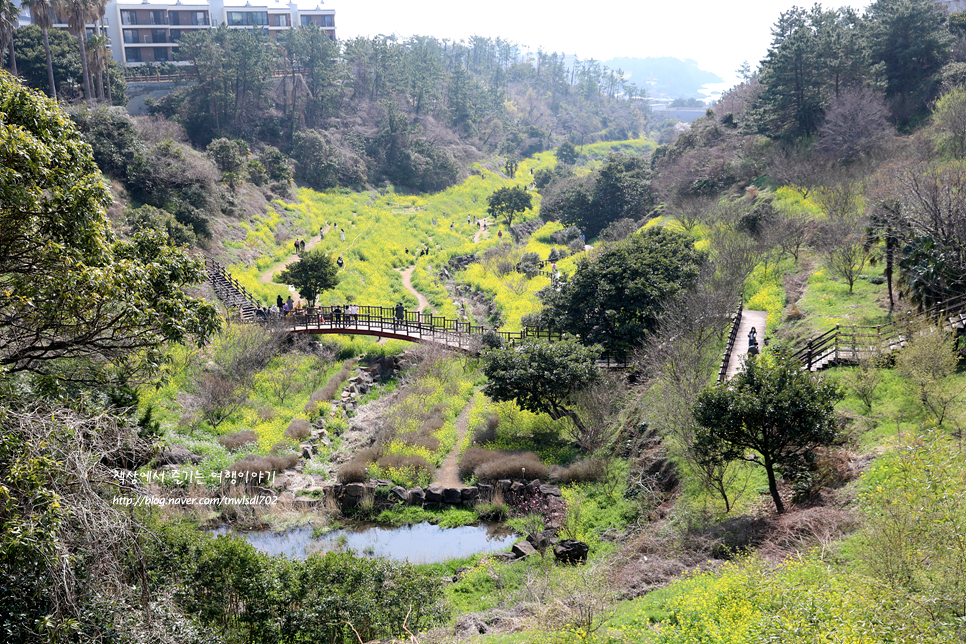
757, 319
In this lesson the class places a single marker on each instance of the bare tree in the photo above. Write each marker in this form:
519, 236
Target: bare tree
841, 238
856, 126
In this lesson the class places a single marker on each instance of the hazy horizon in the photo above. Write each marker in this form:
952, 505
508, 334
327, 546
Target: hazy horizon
715, 34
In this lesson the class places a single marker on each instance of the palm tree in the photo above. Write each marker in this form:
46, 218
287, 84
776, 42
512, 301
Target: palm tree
77, 12
9, 20
98, 9
40, 11
96, 47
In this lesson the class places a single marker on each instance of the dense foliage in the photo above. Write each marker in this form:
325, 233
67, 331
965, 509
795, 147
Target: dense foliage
615, 296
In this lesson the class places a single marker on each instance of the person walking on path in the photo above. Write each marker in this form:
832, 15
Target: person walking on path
290, 302
342, 234
296, 246
279, 301
500, 235
339, 262
753, 342
451, 224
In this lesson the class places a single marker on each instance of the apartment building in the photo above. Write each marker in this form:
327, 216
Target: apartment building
148, 31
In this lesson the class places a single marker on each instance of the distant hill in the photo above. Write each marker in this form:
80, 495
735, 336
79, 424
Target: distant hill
665, 77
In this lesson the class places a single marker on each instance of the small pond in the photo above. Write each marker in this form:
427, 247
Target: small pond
420, 543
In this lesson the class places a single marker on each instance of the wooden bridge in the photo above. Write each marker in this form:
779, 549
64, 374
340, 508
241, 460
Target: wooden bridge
849, 344
381, 321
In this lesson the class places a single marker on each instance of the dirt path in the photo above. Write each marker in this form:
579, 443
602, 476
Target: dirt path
479, 232
407, 280
267, 276
448, 474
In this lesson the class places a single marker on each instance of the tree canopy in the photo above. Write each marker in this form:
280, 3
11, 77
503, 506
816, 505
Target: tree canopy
542, 377
69, 290
312, 275
773, 408
509, 202
614, 298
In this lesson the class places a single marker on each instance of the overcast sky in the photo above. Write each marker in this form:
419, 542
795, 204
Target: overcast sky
716, 33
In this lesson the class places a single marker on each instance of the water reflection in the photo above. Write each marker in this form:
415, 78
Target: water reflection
420, 543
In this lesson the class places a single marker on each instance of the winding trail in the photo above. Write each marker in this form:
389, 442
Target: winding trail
479, 233
407, 280
448, 474
267, 276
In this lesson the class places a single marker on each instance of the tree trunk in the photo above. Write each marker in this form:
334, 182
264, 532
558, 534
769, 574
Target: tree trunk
99, 63
773, 486
82, 38
13, 58
50, 66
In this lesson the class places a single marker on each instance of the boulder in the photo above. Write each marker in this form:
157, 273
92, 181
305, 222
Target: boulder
452, 496
462, 570
178, 455
549, 490
400, 493
354, 490
381, 482
468, 494
534, 486
434, 493
286, 498
543, 539
503, 557
504, 484
307, 450
417, 496
571, 551
517, 488
485, 491
523, 549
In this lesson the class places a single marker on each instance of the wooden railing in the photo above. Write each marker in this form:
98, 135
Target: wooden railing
383, 321
849, 344
730, 344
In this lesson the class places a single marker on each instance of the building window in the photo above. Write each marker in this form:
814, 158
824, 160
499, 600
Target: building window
175, 35
306, 20
158, 35
158, 18
129, 18
199, 18
282, 20
174, 17
160, 53
327, 21
130, 35
247, 18
132, 55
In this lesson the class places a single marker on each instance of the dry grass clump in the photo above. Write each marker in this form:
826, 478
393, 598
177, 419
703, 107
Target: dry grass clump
589, 469
238, 439
420, 440
353, 472
253, 465
357, 469
266, 414
298, 429
486, 431
493, 464
329, 389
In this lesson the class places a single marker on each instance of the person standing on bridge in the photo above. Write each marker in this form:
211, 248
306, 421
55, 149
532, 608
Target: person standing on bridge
279, 302
400, 314
336, 315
